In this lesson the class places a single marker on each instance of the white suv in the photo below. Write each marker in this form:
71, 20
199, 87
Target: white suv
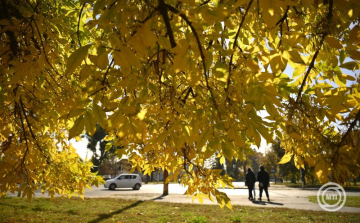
124, 181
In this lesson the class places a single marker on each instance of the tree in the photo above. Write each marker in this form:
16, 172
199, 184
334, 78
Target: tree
287, 171
100, 148
182, 81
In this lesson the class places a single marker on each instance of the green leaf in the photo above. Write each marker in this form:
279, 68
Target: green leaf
75, 59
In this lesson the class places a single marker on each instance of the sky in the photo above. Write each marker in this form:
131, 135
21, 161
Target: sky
81, 149
85, 154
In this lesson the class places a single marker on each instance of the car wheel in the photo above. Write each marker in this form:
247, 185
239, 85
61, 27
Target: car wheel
112, 186
136, 187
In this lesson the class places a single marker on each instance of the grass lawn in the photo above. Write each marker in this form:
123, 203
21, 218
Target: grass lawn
351, 201
13, 209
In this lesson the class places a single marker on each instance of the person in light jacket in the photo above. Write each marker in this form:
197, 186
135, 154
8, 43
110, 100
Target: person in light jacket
250, 182
264, 181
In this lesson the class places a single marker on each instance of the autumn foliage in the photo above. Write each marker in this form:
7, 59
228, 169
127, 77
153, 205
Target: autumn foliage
175, 82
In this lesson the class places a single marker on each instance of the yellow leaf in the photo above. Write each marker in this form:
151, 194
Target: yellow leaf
108, 146
354, 54
334, 43
142, 113
294, 57
295, 135
90, 124
99, 115
355, 34
253, 65
240, 3
103, 60
311, 161
131, 110
278, 64
77, 128
285, 159
321, 171
76, 57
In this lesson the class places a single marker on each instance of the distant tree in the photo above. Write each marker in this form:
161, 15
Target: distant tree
100, 147
287, 171
254, 161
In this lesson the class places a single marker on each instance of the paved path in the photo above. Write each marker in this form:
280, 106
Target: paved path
281, 196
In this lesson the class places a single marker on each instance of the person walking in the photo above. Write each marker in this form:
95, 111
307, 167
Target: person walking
250, 182
264, 181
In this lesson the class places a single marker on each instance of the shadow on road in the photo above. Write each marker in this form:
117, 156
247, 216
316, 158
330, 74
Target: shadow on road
258, 202
159, 198
281, 204
107, 216
117, 189
264, 203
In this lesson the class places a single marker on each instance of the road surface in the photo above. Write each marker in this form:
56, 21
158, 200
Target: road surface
280, 196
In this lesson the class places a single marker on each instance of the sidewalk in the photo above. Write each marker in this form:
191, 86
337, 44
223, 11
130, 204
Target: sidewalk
300, 203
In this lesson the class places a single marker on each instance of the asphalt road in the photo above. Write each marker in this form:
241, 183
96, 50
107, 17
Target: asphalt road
281, 196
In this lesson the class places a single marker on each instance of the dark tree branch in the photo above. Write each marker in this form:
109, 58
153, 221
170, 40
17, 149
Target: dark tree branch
204, 3
351, 127
43, 47
163, 11
147, 17
330, 14
281, 21
189, 23
107, 71
311, 66
78, 25
25, 136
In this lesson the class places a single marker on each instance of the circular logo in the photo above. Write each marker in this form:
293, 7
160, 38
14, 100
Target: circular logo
331, 197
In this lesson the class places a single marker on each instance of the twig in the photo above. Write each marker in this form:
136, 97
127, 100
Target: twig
189, 23
352, 125
163, 11
42, 44
311, 66
147, 17
234, 45
78, 25
107, 71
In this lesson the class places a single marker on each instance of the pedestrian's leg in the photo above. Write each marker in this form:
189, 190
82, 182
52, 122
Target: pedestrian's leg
261, 190
254, 192
250, 193
267, 193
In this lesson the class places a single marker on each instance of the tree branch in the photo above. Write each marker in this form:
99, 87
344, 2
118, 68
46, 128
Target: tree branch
352, 125
189, 23
43, 47
235, 44
163, 11
78, 25
107, 71
311, 66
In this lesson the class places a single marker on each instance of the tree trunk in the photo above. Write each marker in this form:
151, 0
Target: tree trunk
147, 178
166, 185
302, 174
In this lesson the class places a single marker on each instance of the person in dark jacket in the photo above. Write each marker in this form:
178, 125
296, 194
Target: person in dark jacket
250, 182
264, 180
